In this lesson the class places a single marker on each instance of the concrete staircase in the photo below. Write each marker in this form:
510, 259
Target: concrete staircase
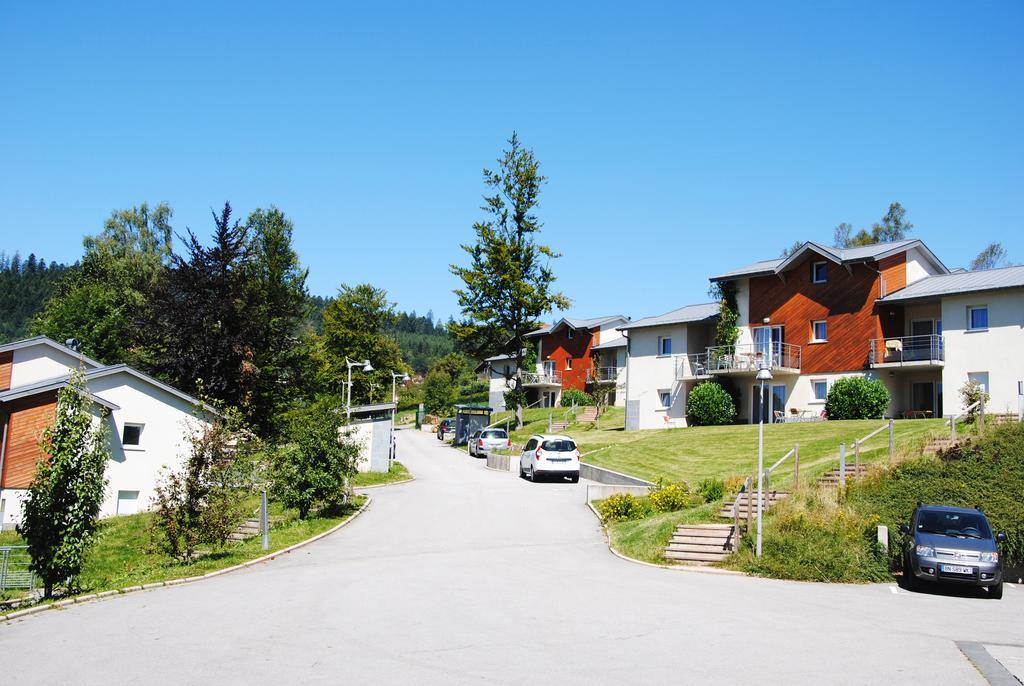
770, 498
700, 543
558, 427
245, 530
587, 414
830, 479
937, 445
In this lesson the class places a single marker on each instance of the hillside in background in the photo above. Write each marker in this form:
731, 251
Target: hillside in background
25, 284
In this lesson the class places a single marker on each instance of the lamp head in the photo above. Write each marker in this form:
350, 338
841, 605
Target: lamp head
367, 367
764, 374
404, 377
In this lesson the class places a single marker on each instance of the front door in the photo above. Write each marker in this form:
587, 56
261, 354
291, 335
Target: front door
762, 335
775, 400
923, 396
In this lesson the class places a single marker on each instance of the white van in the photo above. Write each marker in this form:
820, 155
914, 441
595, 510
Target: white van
546, 455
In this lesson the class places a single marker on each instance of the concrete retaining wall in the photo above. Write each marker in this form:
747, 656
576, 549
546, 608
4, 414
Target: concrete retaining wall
607, 476
499, 462
602, 491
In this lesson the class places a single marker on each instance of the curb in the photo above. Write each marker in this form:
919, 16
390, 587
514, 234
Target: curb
390, 483
60, 604
692, 569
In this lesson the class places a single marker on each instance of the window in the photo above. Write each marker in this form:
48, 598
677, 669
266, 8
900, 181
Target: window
127, 502
977, 318
666, 399
131, 435
530, 445
570, 334
980, 378
820, 387
559, 445
568, 363
664, 345
819, 272
819, 331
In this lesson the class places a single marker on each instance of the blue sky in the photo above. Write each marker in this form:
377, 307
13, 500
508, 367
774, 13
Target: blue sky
679, 140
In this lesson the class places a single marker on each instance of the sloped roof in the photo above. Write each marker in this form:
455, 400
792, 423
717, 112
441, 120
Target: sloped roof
959, 282
619, 342
50, 343
684, 315
48, 386
575, 323
877, 251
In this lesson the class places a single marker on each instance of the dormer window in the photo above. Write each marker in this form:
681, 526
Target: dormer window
571, 332
819, 272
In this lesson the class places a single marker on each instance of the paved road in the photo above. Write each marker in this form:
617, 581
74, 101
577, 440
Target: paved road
468, 575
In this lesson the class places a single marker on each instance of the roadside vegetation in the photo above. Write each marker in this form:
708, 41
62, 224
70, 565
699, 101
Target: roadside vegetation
829, 536
123, 554
398, 472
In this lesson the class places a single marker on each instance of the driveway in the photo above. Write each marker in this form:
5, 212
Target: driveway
467, 575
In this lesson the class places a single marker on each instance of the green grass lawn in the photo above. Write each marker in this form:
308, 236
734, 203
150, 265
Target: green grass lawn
398, 472
123, 555
645, 539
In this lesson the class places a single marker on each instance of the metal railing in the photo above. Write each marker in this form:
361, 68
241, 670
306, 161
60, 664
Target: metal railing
748, 357
600, 374
542, 378
14, 568
977, 404
692, 366
890, 425
906, 349
744, 490
795, 454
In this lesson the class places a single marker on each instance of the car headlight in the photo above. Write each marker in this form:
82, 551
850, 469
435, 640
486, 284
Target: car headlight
925, 551
990, 557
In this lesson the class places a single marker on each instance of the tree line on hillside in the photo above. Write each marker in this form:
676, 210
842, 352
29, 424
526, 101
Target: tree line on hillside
25, 284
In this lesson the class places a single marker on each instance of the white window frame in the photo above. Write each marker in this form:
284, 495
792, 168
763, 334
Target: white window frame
814, 271
663, 394
568, 364
970, 311
814, 330
661, 346
814, 393
570, 333
119, 500
972, 376
134, 446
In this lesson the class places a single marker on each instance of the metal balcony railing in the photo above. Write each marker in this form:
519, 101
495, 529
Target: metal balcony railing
542, 379
749, 357
692, 366
907, 350
602, 374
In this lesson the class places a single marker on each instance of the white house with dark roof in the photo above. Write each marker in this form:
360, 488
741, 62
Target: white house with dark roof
658, 373
151, 423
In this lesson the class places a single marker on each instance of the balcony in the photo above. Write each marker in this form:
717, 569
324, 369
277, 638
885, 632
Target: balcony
907, 351
604, 374
693, 366
747, 358
544, 379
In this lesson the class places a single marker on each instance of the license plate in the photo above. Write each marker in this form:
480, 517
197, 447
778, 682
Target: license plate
957, 569
558, 459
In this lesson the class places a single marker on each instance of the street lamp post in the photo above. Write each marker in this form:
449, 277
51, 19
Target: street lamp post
367, 367
763, 374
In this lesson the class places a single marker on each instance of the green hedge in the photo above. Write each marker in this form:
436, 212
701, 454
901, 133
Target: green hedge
710, 405
856, 397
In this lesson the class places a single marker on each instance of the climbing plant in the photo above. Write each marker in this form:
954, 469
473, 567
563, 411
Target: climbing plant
726, 331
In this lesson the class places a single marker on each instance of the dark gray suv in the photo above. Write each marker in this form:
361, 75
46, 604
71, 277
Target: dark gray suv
952, 545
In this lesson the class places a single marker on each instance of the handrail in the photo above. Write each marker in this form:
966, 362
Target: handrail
890, 425
509, 418
901, 349
747, 484
796, 467
980, 404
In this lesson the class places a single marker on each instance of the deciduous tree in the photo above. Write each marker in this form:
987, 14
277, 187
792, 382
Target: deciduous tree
993, 256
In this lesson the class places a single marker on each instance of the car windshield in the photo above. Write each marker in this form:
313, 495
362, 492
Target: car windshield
495, 433
559, 445
958, 524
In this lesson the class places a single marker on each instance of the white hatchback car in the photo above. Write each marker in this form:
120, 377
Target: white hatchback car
546, 455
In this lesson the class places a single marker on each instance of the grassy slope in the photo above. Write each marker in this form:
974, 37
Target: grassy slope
122, 555
398, 472
646, 539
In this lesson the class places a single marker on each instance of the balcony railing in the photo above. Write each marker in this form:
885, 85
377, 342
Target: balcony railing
907, 350
749, 357
603, 374
542, 379
692, 366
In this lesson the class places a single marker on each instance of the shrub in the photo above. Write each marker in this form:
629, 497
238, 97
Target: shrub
709, 405
970, 393
711, 490
574, 396
669, 497
624, 506
734, 483
857, 397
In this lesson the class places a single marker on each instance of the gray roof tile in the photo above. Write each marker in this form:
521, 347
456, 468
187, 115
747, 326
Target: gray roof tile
959, 282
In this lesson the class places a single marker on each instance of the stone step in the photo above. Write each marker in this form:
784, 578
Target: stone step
704, 533
695, 557
719, 541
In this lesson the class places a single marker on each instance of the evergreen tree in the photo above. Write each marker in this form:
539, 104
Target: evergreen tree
23, 293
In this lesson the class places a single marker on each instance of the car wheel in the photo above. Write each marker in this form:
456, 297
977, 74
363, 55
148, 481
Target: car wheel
575, 478
996, 592
534, 477
522, 474
910, 582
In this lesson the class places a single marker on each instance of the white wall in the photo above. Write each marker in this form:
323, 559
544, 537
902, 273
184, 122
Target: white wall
648, 373
743, 304
40, 362
498, 384
998, 351
917, 266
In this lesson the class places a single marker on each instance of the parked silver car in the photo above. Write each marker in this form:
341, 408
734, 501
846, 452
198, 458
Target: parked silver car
486, 440
953, 545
